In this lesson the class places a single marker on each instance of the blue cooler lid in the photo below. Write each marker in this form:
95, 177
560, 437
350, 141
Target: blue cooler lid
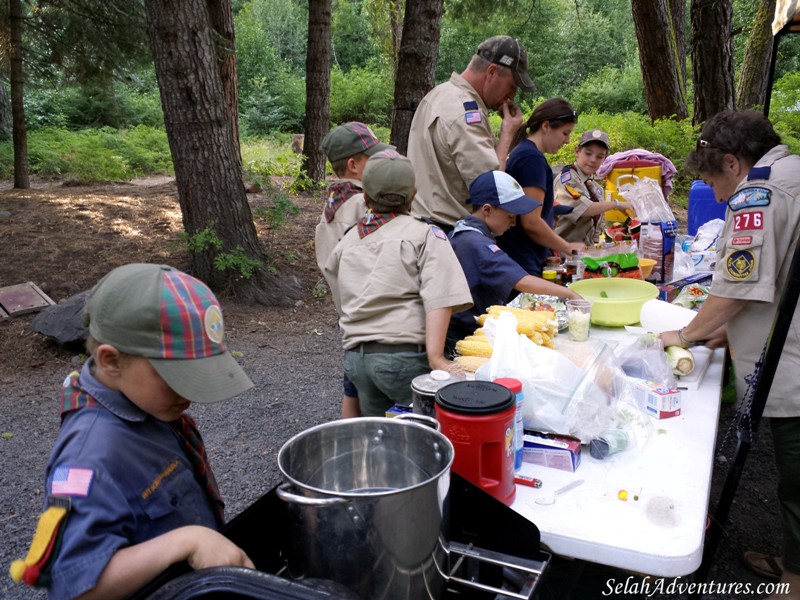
475, 398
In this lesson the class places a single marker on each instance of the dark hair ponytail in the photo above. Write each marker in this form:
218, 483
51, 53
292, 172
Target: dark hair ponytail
557, 111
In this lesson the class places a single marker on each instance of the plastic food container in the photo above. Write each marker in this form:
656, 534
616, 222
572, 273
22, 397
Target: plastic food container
616, 301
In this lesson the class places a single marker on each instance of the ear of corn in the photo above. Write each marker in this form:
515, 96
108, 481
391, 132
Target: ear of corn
471, 363
474, 348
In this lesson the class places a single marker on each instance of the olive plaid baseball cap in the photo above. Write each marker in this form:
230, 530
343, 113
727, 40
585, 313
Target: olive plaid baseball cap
174, 321
507, 51
350, 139
594, 135
388, 172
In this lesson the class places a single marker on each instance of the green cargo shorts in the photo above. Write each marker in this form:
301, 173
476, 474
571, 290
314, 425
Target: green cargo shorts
383, 379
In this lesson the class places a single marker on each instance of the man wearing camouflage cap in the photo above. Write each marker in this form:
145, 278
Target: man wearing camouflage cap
451, 141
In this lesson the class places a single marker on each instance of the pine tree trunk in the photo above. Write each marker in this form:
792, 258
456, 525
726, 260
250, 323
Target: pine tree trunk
712, 57
677, 15
752, 91
416, 67
658, 56
318, 83
19, 132
221, 16
210, 188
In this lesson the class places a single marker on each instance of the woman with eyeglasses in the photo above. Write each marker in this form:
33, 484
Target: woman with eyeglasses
532, 239
741, 157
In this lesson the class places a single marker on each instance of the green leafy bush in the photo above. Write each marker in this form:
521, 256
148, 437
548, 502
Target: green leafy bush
611, 90
362, 94
269, 155
93, 154
119, 105
276, 104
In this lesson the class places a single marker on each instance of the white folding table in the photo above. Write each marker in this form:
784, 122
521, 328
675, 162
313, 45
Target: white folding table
662, 532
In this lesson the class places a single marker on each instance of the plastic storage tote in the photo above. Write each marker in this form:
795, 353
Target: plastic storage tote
703, 206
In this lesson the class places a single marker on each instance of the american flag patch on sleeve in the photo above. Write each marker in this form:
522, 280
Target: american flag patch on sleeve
438, 232
472, 117
71, 481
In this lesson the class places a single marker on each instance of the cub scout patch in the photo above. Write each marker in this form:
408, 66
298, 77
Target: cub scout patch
71, 481
493, 247
756, 196
740, 264
472, 117
438, 233
572, 191
748, 220
566, 176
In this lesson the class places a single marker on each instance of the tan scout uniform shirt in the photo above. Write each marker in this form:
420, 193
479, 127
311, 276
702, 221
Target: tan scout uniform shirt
450, 143
327, 235
755, 251
384, 284
574, 227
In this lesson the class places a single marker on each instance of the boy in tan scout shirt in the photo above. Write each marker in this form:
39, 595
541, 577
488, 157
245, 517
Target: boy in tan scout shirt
347, 147
577, 188
395, 281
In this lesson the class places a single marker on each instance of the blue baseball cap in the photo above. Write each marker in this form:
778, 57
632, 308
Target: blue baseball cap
500, 189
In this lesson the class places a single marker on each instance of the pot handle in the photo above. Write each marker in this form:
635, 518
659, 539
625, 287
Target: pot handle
287, 496
423, 420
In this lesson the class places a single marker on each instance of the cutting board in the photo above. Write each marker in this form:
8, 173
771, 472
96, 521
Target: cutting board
702, 358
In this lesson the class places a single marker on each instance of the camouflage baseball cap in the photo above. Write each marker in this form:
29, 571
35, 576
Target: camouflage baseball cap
350, 139
507, 51
594, 135
388, 172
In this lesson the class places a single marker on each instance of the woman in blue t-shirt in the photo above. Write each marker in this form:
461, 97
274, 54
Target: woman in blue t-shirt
531, 240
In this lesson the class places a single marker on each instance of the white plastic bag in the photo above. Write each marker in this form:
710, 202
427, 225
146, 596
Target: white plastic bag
648, 200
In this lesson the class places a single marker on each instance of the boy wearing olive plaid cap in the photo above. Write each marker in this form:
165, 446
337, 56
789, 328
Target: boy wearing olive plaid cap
129, 488
395, 281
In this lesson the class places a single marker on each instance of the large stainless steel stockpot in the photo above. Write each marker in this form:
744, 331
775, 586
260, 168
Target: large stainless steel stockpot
366, 502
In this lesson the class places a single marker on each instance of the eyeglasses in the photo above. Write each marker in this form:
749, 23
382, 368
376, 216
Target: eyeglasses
701, 143
573, 116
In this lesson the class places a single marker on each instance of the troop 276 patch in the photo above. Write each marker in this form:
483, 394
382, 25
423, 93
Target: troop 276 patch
748, 197
740, 264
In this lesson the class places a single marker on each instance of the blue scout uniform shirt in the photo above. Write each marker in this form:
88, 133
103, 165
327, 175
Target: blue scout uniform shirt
490, 272
529, 167
127, 480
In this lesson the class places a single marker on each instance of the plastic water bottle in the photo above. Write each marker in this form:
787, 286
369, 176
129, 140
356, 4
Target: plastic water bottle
515, 385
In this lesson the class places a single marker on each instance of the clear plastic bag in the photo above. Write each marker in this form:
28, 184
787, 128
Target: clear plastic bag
644, 358
582, 395
648, 200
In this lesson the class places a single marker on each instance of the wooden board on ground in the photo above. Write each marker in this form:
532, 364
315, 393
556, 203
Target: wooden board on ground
23, 298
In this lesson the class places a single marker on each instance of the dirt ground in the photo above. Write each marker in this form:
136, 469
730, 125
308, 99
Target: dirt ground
65, 238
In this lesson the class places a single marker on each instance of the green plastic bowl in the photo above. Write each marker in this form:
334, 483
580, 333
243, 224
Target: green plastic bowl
616, 301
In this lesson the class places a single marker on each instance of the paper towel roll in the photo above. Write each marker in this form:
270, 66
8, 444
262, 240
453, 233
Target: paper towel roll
658, 316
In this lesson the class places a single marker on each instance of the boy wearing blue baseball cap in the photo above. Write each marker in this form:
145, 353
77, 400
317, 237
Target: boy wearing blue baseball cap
492, 275
129, 489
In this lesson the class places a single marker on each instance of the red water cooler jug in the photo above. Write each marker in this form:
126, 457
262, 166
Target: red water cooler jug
478, 418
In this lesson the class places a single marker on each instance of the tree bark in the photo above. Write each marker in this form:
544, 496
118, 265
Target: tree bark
752, 90
210, 188
318, 83
416, 66
19, 133
677, 15
221, 16
658, 56
712, 57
